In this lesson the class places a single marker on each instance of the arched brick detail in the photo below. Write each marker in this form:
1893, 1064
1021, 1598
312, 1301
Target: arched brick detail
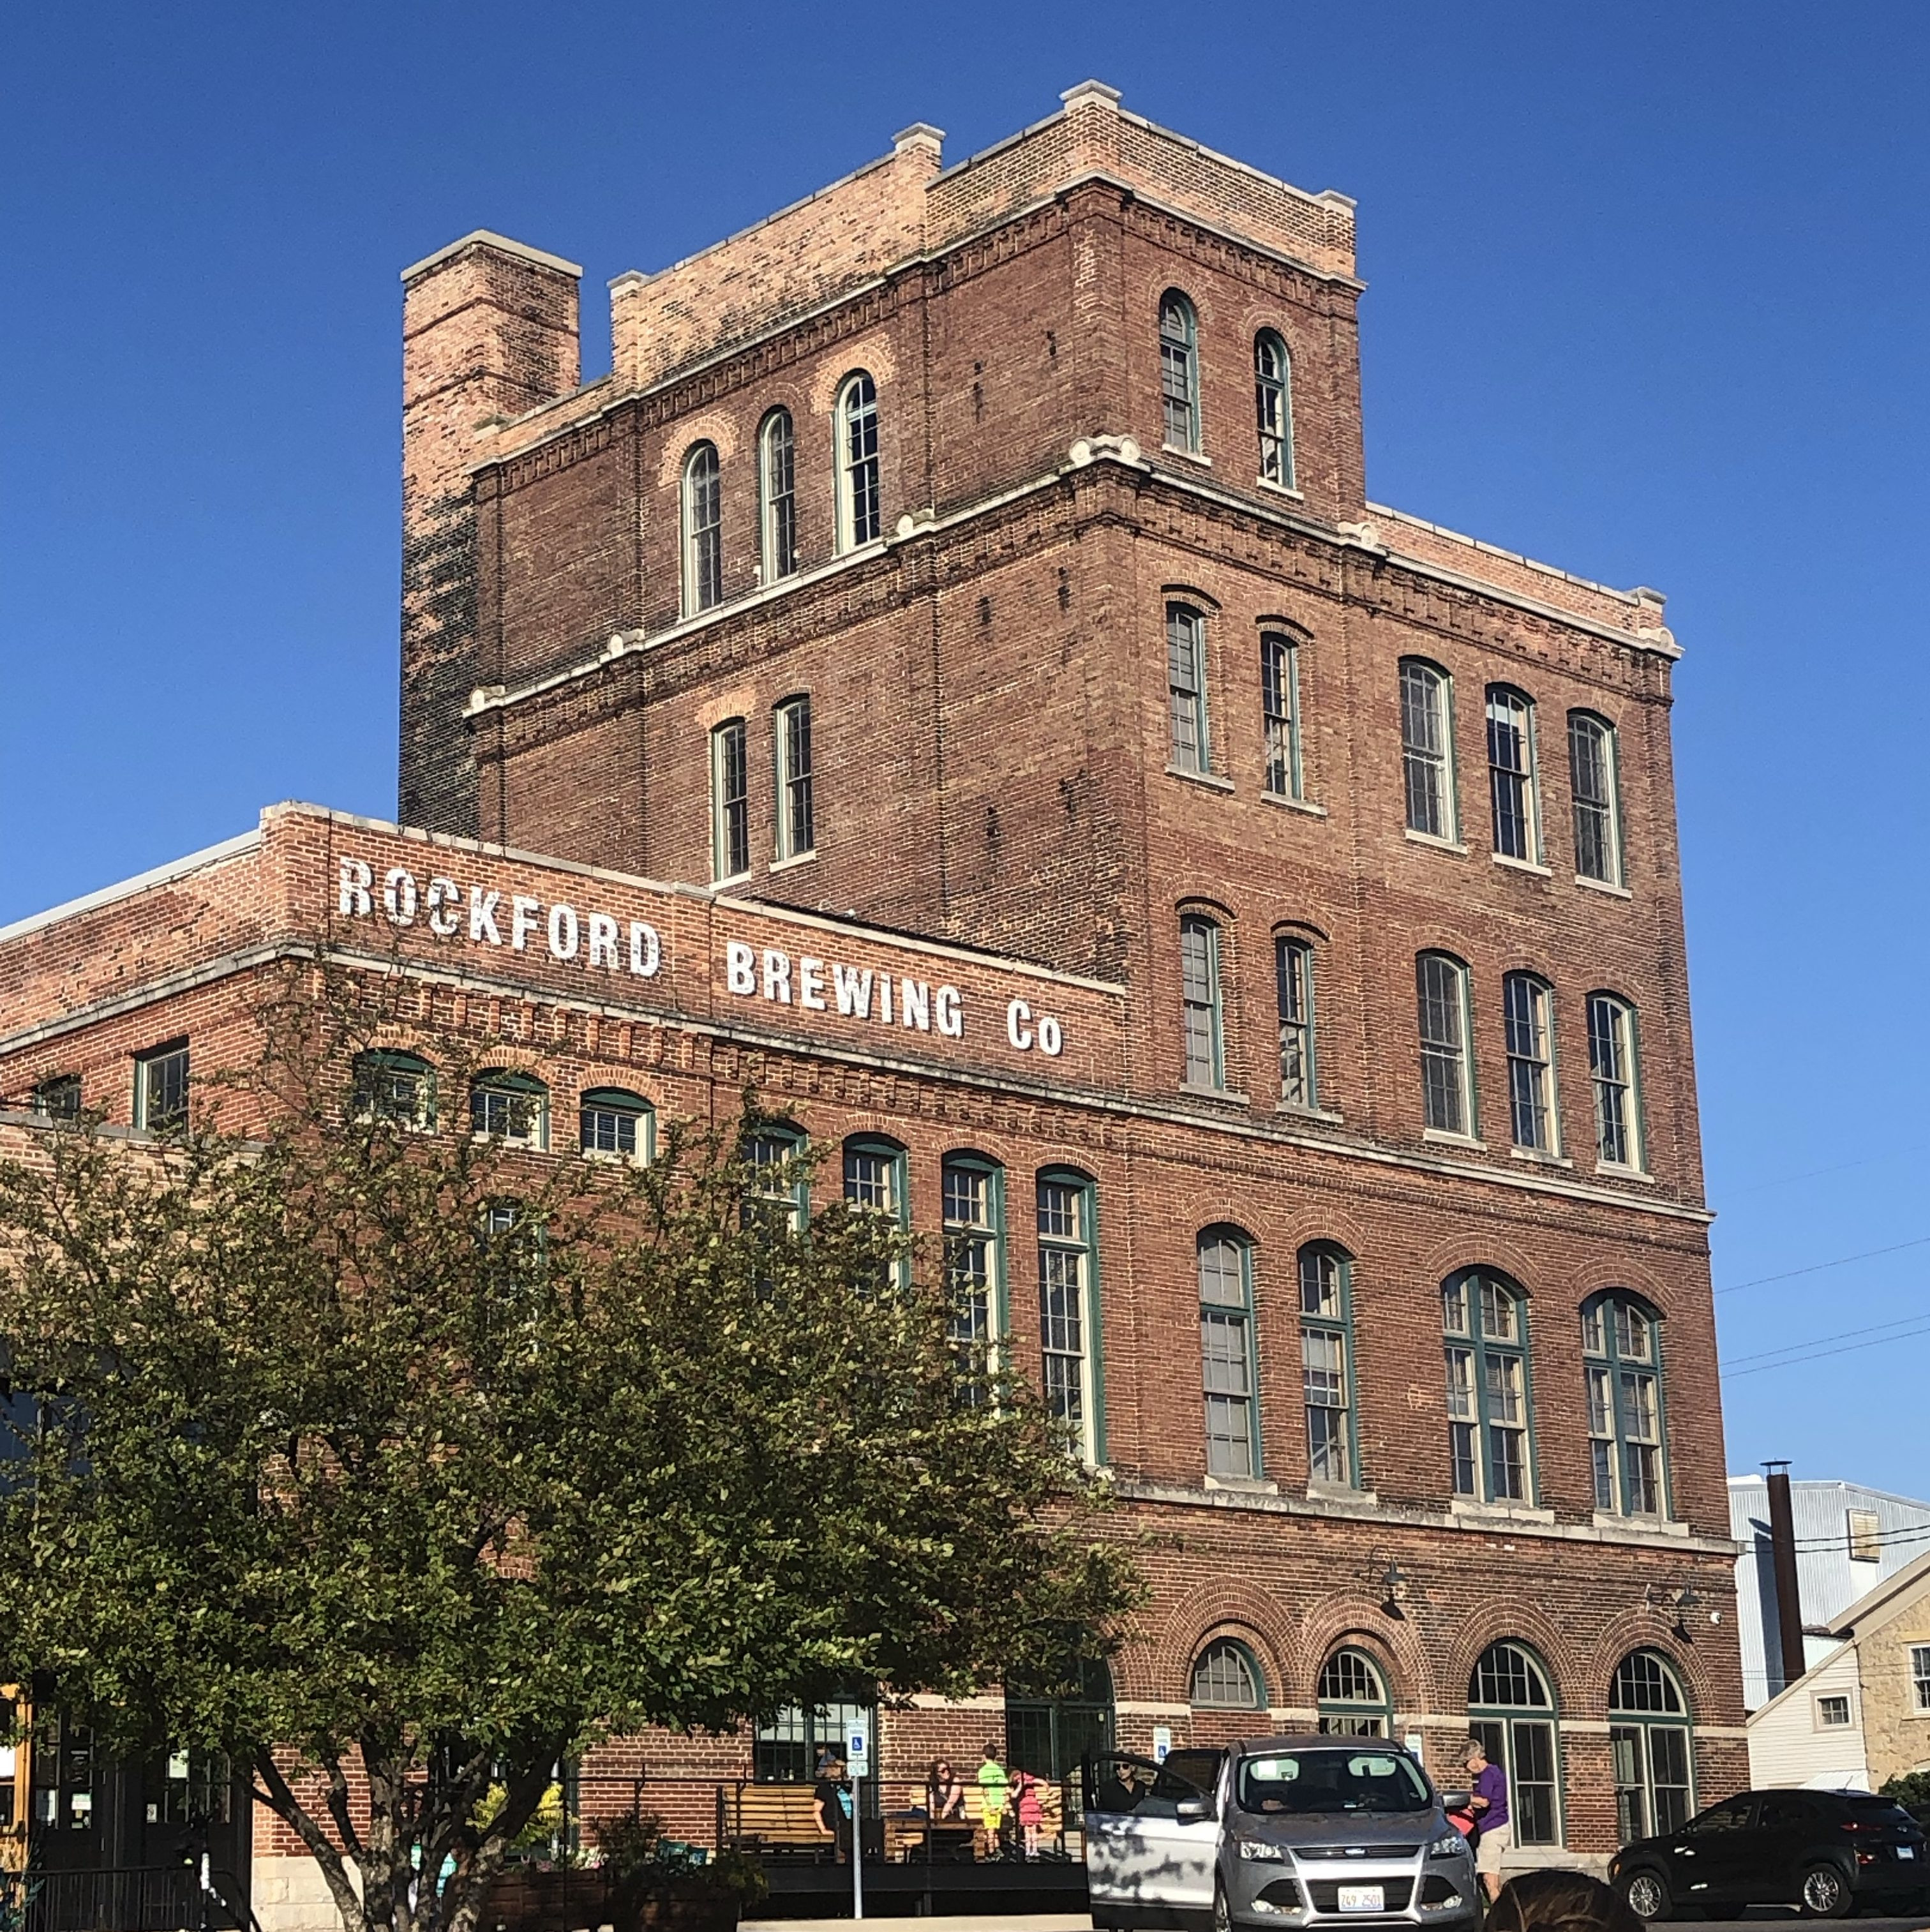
1639, 1629
1515, 1622
1392, 1644
1485, 1250
1327, 1222
1225, 1608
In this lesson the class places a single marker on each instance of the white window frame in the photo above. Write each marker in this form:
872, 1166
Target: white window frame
859, 477
1273, 397
1427, 699
1823, 1699
1187, 713
1605, 737
1439, 1050
1919, 1676
1282, 774
1514, 784
1209, 999
1529, 1040
777, 526
703, 523
1294, 987
797, 802
1179, 356
730, 811
1613, 1023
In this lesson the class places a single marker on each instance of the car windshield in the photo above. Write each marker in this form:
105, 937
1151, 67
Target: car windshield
1332, 1781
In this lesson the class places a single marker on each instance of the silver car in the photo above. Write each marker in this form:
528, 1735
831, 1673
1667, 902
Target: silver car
1290, 1831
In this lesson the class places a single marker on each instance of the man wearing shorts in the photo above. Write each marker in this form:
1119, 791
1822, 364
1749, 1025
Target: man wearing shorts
1489, 1784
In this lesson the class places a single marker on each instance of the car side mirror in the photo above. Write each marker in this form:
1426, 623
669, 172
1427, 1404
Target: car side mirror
1191, 1811
1456, 1801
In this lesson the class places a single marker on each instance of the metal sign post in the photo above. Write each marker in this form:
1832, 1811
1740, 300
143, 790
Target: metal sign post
858, 1761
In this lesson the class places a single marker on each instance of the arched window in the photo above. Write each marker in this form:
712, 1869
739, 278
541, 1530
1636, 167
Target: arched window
781, 1186
1293, 988
1280, 708
1068, 1309
1179, 373
1512, 1711
511, 1107
1427, 748
1226, 1677
1620, 1340
703, 531
1191, 748
1273, 402
1327, 1363
974, 1212
1528, 1015
1202, 1016
859, 517
397, 1086
796, 816
730, 800
1512, 793
1485, 1318
1649, 1744
1353, 1698
1447, 1070
1595, 781
1614, 1067
1051, 1737
875, 1183
777, 497
615, 1124
1229, 1372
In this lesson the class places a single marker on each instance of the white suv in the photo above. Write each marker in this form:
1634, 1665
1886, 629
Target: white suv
1289, 1831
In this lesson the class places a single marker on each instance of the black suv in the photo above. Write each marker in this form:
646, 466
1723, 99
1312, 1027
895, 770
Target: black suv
1827, 1852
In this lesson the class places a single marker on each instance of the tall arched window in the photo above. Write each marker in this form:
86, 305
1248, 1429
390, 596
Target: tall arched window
1613, 1066
1229, 1371
777, 497
1447, 1068
730, 800
1512, 793
1190, 744
1649, 1743
1280, 713
1528, 1014
1513, 1712
1595, 784
1427, 748
875, 1183
859, 516
1353, 1698
975, 1237
1226, 1677
1484, 1319
615, 1124
397, 1086
1202, 1015
780, 1186
511, 1107
1273, 402
703, 530
1621, 1342
1293, 992
1068, 1309
1327, 1363
1179, 373
796, 813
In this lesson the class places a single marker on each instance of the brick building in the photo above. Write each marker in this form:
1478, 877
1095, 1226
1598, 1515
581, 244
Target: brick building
1266, 905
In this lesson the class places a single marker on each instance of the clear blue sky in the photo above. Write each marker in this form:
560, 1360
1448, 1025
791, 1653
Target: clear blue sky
1648, 292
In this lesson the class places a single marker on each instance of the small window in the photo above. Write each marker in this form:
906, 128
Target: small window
1529, 1026
1293, 986
395, 1087
1068, 1309
1186, 688
777, 497
1833, 1713
703, 531
615, 1125
874, 1184
1327, 1364
780, 1186
514, 1108
1205, 1064
1229, 1372
1621, 1348
1612, 1066
1595, 780
1447, 1077
796, 825
1512, 794
1427, 748
1865, 1533
58, 1098
1484, 1319
161, 1088
1280, 708
1919, 1674
859, 516
1273, 401
1179, 373
1227, 1678
730, 801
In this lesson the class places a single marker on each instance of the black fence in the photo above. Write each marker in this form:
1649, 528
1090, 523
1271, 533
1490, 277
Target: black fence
133, 1898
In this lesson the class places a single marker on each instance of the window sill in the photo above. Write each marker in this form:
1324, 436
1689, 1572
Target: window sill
1453, 845
1535, 1157
1440, 1137
1472, 1511
1245, 1486
1603, 886
1287, 1110
1523, 865
728, 880
1318, 1492
1285, 804
1610, 1171
1212, 781
1279, 490
1205, 461
796, 859
1226, 1095
1657, 1525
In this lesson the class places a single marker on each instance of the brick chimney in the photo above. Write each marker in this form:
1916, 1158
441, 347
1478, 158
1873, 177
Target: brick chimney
489, 332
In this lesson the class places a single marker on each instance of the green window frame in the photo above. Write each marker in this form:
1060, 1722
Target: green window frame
511, 1107
795, 813
702, 507
730, 801
1326, 1283
1179, 374
1202, 1015
1490, 1397
396, 1087
876, 1181
161, 1087
1352, 1697
1615, 1072
1427, 749
1527, 1026
774, 1151
1189, 734
1294, 999
1273, 407
973, 1188
1514, 783
777, 496
614, 1124
1445, 1022
1068, 1323
1229, 1352
1512, 1710
1282, 774
1622, 1362
1651, 1747
1227, 1676
859, 518
58, 1097
1595, 783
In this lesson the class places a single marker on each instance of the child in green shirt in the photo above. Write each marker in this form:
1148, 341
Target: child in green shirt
992, 1787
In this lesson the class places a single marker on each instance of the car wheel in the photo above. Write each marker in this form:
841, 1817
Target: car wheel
1222, 1913
1645, 1894
1826, 1894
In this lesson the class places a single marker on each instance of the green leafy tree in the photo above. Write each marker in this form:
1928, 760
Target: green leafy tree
399, 1464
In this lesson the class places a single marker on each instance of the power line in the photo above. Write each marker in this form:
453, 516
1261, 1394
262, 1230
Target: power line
1817, 1354
1841, 1335
1816, 1268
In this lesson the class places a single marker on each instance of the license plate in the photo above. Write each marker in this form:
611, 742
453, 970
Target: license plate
1362, 1898
1906, 1851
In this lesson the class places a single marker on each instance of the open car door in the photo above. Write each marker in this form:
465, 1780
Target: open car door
1152, 1831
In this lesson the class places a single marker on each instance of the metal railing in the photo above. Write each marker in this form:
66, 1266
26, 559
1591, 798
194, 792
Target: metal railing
133, 1898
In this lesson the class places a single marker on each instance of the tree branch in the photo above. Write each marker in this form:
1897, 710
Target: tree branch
283, 1803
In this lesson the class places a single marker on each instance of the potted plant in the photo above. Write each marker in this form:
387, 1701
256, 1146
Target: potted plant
655, 1884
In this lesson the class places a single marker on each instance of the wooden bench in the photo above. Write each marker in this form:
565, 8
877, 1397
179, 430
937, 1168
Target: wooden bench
967, 1838
775, 1820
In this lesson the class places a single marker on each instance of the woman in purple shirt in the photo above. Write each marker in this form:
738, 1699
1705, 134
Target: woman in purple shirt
1489, 1784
